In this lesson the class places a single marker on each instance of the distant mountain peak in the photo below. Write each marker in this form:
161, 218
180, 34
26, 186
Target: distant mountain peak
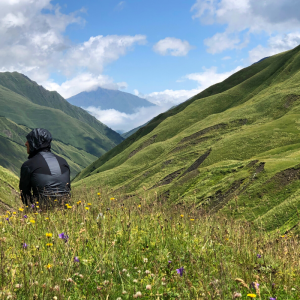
110, 99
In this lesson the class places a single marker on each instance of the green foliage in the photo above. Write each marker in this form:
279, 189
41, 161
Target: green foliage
8, 189
13, 152
253, 116
143, 248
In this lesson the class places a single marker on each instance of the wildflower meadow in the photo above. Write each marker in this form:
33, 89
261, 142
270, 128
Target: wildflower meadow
101, 246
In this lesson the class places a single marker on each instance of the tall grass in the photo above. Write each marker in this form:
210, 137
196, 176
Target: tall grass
117, 248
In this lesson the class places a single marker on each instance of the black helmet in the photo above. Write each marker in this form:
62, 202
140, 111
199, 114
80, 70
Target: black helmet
39, 139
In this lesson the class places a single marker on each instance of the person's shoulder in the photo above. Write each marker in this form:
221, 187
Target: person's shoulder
60, 159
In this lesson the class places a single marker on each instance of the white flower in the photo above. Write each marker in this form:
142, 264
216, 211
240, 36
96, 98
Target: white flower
128, 275
18, 286
56, 288
135, 280
147, 272
106, 282
139, 271
124, 270
145, 260
148, 287
237, 295
55, 298
139, 294
119, 298
124, 292
70, 280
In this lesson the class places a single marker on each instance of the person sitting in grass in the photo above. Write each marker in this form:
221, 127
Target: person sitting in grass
45, 176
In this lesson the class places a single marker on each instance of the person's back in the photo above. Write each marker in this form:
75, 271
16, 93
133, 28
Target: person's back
44, 176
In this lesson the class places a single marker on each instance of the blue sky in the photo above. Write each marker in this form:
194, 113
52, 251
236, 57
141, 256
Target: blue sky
164, 51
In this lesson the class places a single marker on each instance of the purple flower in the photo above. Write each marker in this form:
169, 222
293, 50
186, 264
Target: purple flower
76, 259
25, 246
180, 271
64, 236
32, 205
25, 216
272, 298
258, 256
255, 284
170, 261
7, 219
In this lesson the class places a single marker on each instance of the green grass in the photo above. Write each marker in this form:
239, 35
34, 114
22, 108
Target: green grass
9, 187
126, 248
78, 136
253, 115
13, 152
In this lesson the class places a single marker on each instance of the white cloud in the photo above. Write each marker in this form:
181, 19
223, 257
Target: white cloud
204, 80
246, 17
120, 6
172, 46
33, 42
226, 58
121, 121
276, 44
164, 101
83, 82
99, 51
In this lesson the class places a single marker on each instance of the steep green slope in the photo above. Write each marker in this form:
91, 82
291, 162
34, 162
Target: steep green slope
35, 93
9, 196
232, 148
13, 151
234, 80
63, 127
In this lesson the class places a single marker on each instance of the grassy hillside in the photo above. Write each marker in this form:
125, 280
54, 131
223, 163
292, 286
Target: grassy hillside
22, 85
232, 148
9, 185
13, 152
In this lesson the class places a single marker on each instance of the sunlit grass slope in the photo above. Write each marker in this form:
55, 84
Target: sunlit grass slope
9, 186
235, 145
105, 247
35, 93
13, 152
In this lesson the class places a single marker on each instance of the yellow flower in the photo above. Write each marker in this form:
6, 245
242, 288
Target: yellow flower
55, 200
36, 202
69, 206
46, 218
49, 266
49, 244
89, 204
87, 208
79, 202
36, 213
14, 213
112, 199
192, 219
8, 212
48, 234
26, 205
140, 205
37, 206
181, 216
21, 209
251, 295
32, 221
98, 194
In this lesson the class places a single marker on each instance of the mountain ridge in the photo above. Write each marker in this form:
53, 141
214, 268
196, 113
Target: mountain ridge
233, 148
110, 99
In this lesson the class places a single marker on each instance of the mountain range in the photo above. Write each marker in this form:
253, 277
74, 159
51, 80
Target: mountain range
110, 99
78, 136
232, 149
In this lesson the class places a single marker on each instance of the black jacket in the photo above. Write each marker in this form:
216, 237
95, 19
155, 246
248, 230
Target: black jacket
44, 174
